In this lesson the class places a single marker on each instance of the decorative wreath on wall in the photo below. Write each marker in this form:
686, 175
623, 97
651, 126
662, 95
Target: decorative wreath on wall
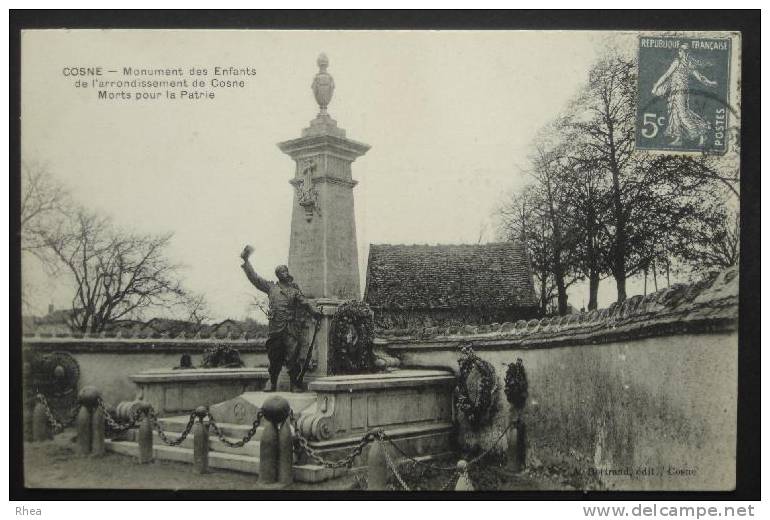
477, 388
351, 337
56, 375
221, 356
516, 385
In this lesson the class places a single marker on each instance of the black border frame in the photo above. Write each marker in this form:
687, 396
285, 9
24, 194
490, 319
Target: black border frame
748, 479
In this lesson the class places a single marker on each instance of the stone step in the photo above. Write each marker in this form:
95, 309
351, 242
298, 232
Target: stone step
179, 423
215, 444
219, 460
236, 431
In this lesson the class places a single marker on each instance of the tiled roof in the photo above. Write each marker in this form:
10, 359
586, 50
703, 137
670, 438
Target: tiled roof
707, 306
449, 276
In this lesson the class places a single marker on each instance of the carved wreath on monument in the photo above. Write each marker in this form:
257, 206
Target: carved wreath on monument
351, 338
477, 388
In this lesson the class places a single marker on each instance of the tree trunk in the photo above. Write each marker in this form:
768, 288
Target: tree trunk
561, 292
620, 280
593, 291
620, 220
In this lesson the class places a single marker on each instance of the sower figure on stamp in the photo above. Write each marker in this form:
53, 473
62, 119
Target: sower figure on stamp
285, 337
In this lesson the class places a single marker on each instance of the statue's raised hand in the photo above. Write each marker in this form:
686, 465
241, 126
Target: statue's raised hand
246, 253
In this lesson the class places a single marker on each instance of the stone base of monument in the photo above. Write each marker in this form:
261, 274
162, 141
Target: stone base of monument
182, 390
413, 407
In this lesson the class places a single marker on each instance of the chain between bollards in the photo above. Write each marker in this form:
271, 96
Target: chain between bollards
44, 418
246, 438
347, 461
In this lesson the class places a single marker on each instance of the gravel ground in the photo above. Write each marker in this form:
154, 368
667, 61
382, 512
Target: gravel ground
54, 464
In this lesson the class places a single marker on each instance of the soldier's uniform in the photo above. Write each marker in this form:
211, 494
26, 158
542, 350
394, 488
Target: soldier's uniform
285, 335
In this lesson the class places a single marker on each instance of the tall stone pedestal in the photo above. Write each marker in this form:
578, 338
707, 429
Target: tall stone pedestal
323, 254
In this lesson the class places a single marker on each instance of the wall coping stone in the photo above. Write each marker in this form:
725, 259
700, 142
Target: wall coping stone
138, 345
401, 378
199, 374
707, 306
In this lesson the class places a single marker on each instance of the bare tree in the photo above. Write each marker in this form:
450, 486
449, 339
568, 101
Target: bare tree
116, 275
548, 169
604, 116
599, 207
44, 205
712, 243
44, 202
197, 309
586, 192
522, 218
260, 303
653, 200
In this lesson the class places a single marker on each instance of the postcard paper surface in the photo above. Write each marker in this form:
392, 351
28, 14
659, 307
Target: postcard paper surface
380, 260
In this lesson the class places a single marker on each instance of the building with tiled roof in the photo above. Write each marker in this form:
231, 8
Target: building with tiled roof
421, 285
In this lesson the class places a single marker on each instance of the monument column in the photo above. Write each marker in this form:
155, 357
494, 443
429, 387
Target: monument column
323, 254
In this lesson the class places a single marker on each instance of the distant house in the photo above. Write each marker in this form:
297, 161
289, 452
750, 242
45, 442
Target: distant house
227, 328
55, 322
421, 285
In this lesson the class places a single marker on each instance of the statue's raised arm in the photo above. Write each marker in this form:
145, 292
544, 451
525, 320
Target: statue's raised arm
256, 280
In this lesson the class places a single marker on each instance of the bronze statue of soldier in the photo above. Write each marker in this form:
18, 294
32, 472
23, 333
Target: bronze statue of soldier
285, 329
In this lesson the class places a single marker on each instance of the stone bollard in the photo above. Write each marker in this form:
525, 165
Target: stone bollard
268, 454
285, 455
40, 427
97, 433
83, 423
88, 398
464, 481
201, 442
377, 467
144, 435
275, 410
517, 446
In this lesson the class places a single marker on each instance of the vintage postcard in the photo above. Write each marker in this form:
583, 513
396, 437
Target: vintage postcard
380, 260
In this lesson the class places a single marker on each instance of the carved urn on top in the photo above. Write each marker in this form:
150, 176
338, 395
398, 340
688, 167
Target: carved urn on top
323, 84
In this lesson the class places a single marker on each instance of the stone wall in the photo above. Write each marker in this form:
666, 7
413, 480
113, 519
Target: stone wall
640, 396
107, 363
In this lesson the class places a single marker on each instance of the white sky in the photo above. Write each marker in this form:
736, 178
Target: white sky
449, 116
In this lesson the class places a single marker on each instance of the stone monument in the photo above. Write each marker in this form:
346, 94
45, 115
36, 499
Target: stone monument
323, 253
414, 407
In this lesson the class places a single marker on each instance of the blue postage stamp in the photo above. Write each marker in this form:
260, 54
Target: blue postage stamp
683, 91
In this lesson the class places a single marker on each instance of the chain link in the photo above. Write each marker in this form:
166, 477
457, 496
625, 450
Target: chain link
454, 472
246, 438
394, 469
447, 468
486, 452
347, 461
162, 434
56, 425
415, 461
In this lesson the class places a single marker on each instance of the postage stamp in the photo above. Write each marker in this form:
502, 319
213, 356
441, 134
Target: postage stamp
683, 91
